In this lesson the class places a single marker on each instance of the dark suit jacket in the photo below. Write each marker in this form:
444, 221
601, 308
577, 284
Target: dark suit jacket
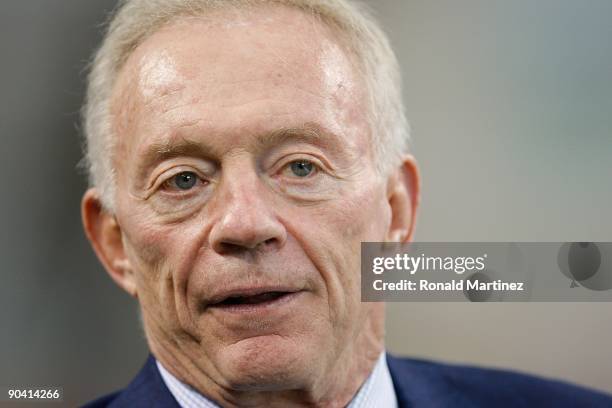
417, 383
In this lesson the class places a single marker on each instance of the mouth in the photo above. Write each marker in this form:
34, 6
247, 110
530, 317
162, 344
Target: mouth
252, 300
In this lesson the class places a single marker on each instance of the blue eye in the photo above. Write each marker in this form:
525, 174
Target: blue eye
302, 168
185, 180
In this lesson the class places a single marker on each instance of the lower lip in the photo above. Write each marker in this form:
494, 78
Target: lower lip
263, 307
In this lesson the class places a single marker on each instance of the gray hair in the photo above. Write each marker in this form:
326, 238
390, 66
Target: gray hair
134, 20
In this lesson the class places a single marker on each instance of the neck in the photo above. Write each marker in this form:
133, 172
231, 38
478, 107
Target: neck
335, 385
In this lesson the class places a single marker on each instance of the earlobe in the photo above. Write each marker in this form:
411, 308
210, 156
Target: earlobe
104, 234
403, 194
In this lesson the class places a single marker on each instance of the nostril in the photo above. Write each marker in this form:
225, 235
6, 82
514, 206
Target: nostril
227, 248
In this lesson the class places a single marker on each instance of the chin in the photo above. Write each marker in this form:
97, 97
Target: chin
267, 363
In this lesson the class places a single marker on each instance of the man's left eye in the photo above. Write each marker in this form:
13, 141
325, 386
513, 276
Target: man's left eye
185, 180
302, 168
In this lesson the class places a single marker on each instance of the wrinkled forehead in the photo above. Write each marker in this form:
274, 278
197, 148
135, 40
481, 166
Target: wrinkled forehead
270, 44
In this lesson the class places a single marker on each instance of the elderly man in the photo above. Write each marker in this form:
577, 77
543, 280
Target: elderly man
239, 153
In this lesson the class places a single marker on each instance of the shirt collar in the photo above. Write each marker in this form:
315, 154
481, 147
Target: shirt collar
376, 391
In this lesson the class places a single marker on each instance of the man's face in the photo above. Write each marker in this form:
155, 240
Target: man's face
245, 185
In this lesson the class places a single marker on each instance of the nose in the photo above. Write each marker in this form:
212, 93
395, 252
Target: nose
247, 219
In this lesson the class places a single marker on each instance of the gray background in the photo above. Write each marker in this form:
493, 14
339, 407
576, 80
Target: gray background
510, 103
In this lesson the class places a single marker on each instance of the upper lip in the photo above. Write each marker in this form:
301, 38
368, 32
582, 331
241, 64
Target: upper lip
247, 291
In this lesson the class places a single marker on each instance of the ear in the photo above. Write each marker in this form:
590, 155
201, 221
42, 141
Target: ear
104, 233
403, 194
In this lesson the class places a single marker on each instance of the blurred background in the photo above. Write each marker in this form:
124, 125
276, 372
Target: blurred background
510, 103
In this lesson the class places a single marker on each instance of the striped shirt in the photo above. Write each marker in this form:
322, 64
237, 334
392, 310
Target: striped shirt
376, 392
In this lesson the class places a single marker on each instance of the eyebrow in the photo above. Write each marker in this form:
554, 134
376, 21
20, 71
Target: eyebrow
159, 152
309, 133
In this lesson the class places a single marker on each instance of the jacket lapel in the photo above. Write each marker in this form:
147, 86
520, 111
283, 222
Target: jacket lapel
146, 390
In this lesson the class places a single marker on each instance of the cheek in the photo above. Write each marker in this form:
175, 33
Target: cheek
161, 257
160, 254
146, 252
337, 229
156, 243
146, 246
360, 215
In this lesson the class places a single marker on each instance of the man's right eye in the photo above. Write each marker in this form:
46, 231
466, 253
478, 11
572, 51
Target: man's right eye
185, 180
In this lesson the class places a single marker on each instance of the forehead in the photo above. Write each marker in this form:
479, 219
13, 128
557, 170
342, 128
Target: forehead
258, 68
